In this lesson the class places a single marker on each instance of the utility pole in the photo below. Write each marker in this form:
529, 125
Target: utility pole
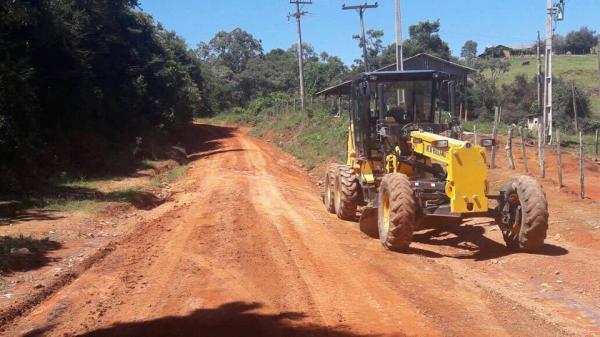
363, 41
598, 54
399, 43
539, 75
553, 12
298, 14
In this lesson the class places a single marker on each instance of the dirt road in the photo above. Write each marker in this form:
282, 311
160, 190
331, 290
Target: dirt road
247, 249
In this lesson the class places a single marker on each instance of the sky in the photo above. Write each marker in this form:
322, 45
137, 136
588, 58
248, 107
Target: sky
328, 28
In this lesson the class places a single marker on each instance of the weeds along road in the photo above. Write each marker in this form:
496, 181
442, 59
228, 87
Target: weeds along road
247, 249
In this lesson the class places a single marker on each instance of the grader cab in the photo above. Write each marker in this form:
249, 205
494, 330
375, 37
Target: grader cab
407, 168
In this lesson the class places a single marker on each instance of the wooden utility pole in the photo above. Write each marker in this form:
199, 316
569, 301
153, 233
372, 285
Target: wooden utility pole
523, 151
559, 159
363, 41
298, 14
581, 167
574, 107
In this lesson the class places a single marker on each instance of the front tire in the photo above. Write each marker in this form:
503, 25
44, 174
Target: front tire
396, 212
346, 193
524, 221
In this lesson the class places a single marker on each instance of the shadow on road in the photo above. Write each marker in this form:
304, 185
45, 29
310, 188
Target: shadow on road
228, 320
471, 239
25, 253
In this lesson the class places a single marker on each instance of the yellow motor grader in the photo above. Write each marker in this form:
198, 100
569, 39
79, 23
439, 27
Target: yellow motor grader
407, 169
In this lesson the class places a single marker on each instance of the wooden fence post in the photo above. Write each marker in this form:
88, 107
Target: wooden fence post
581, 168
541, 143
559, 159
475, 134
523, 151
494, 134
509, 154
596, 150
574, 107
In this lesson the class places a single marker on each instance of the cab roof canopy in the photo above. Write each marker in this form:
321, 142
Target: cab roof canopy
416, 64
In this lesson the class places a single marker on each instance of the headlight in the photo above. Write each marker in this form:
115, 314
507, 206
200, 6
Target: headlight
440, 144
487, 142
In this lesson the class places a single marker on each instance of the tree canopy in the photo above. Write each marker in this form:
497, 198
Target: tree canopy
424, 38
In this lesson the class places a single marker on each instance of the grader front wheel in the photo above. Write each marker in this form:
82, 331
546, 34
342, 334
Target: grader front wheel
524, 214
396, 212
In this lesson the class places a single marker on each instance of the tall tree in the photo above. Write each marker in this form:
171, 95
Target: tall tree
469, 50
581, 41
424, 38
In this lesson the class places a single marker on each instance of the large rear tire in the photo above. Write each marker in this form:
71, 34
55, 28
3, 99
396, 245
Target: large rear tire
346, 193
328, 196
524, 221
396, 212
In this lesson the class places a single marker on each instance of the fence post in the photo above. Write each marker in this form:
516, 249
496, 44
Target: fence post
559, 159
596, 150
509, 154
574, 107
523, 151
494, 134
475, 133
581, 168
541, 144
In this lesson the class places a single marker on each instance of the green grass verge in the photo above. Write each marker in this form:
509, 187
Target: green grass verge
583, 69
314, 138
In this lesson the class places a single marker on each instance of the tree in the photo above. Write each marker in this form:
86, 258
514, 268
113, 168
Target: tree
374, 45
581, 41
483, 91
469, 50
233, 49
424, 38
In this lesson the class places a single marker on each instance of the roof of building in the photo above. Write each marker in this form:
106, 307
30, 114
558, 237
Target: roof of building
460, 66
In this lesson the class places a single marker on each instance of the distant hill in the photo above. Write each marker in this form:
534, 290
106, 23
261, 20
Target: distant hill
583, 69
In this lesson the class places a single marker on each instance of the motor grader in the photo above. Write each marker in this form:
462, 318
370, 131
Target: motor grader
408, 170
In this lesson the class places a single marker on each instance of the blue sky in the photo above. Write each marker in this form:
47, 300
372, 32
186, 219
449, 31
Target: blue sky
328, 28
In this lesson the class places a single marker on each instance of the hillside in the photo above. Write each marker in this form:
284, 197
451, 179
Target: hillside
583, 69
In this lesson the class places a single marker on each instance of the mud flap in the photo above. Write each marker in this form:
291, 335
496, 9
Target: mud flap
368, 222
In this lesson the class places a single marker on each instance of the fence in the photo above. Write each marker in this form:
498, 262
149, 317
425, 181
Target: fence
583, 142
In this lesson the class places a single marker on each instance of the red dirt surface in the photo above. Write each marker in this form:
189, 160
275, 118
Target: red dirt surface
246, 248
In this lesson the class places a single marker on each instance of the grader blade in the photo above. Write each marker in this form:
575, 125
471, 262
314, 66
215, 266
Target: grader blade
368, 222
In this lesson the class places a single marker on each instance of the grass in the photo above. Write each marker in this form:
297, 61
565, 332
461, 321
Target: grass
71, 205
83, 195
168, 176
583, 69
314, 138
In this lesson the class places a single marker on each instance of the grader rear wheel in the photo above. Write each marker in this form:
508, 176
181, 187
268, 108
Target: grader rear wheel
346, 193
524, 214
328, 197
396, 212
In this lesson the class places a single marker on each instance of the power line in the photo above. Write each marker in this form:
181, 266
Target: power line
361, 11
298, 15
